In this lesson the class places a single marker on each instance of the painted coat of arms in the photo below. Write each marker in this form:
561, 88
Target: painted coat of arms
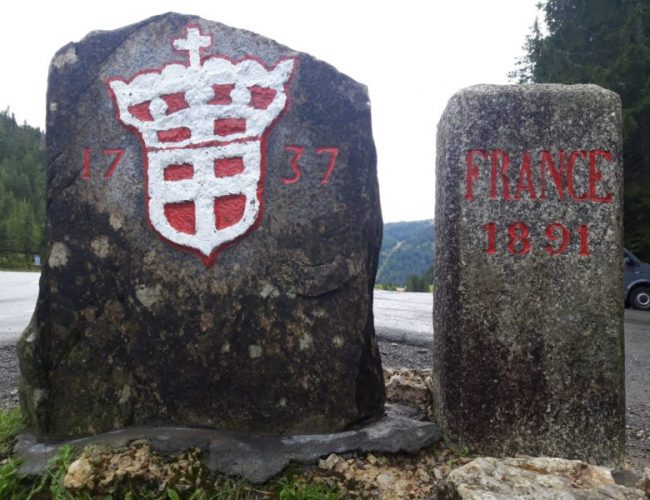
202, 125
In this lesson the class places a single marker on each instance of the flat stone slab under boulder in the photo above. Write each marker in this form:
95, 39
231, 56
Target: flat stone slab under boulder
533, 478
253, 457
213, 232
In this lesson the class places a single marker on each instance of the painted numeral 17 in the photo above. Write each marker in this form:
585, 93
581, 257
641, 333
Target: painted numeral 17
117, 157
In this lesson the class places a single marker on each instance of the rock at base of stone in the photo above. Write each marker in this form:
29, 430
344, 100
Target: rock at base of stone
253, 457
644, 483
533, 478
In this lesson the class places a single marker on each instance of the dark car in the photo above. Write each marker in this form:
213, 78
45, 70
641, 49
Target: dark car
637, 282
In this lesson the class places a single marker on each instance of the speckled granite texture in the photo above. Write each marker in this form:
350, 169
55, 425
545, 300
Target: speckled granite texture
528, 314
272, 333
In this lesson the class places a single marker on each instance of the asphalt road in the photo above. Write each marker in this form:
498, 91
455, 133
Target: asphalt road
637, 386
401, 317
404, 317
18, 292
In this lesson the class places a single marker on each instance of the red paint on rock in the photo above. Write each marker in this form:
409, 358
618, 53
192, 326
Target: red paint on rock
175, 102
141, 111
222, 93
536, 173
182, 216
225, 167
295, 167
229, 210
179, 172
174, 134
261, 97
334, 153
229, 126
118, 153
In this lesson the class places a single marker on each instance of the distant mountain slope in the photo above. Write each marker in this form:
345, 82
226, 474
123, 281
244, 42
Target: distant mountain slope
407, 249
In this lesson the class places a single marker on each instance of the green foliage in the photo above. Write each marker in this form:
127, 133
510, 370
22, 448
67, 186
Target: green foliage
298, 488
606, 42
11, 421
420, 283
407, 249
22, 192
49, 485
11, 483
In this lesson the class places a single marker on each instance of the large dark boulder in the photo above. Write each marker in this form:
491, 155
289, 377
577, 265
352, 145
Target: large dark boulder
213, 227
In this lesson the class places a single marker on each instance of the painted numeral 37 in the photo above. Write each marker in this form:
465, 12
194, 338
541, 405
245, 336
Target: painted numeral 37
295, 166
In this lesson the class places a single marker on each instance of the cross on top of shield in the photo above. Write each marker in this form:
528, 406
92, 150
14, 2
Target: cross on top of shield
201, 124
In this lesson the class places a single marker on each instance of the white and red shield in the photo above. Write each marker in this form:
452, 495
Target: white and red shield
202, 125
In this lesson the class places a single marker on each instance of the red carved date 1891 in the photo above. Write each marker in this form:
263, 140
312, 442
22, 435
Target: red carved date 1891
557, 238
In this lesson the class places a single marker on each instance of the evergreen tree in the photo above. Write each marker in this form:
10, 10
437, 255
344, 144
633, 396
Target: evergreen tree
22, 191
406, 249
606, 42
417, 283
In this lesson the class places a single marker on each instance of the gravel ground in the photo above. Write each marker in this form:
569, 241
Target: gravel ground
403, 355
637, 386
8, 376
394, 355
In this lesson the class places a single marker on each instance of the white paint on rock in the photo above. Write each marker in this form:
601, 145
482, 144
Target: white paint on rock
202, 189
59, 255
196, 83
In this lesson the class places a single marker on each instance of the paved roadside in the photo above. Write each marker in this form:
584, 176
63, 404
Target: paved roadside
18, 293
404, 317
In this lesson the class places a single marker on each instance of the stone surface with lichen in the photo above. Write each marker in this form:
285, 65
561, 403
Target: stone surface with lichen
528, 344
276, 337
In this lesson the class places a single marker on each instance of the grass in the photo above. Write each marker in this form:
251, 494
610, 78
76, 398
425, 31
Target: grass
207, 486
298, 488
11, 421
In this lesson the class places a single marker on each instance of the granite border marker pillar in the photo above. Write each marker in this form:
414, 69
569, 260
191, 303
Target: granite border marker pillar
528, 303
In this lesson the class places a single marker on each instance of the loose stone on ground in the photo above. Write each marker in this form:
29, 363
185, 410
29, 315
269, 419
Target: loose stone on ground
533, 478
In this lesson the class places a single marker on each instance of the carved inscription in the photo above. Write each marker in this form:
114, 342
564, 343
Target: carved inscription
543, 177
